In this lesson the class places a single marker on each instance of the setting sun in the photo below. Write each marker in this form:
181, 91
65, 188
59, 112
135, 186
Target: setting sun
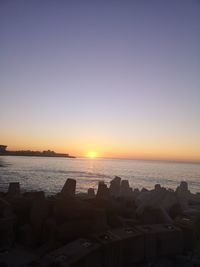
92, 155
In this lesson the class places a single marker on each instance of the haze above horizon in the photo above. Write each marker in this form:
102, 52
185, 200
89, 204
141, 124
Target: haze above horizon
101, 78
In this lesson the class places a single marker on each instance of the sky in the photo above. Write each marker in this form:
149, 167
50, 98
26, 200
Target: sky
109, 78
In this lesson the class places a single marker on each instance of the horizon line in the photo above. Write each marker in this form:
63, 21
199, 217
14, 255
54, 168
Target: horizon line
143, 159
127, 158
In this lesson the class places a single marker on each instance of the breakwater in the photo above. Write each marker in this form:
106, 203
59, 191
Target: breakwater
118, 226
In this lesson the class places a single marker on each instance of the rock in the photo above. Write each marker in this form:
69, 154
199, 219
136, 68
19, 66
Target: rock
34, 194
114, 220
169, 239
81, 252
26, 235
155, 216
125, 189
144, 190
189, 232
151, 199
130, 222
160, 201
13, 189
125, 207
157, 188
74, 229
50, 227
161, 240
136, 192
165, 262
91, 193
175, 211
6, 233
21, 208
132, 245
5, 209
7, 223
67, 208
2, 194
115, 186
103, 191
168, 200
194, 199
73, 209
69, 188
183, 195
99, 220
39, 213
19, 257
46, 249
111, 250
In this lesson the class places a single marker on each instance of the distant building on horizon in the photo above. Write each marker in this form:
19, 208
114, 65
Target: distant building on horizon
2, 148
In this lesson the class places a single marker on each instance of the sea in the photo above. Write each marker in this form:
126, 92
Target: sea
50, 174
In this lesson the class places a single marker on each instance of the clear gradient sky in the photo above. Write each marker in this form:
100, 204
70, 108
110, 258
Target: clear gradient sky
117, 78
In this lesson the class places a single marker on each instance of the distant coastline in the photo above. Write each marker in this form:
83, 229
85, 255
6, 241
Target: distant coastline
30, 153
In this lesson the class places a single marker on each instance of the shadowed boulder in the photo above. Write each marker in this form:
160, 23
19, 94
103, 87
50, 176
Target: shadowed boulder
39, 213
91, 193
13, 189
115, 186
103, 191
69, 188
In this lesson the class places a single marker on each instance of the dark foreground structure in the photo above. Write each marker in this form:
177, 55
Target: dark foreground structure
116, 227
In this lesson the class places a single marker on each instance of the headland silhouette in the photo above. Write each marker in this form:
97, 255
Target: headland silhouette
30, 153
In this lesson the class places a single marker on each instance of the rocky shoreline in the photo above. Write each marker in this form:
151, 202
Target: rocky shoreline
116, 227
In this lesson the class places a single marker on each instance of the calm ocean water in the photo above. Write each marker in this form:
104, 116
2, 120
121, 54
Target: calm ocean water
49, 174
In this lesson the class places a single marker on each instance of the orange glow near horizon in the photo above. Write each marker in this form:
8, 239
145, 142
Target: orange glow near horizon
184, 155
113, 152
109, 148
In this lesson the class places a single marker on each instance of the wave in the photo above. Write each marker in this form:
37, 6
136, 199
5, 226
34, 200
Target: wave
72, 173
